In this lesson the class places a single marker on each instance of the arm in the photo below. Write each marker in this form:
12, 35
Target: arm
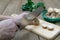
7, 29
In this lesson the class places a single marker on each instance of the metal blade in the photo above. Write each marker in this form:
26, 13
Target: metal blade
35, 14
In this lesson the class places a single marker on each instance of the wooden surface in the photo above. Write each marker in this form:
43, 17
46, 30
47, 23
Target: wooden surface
3, 5
8, 7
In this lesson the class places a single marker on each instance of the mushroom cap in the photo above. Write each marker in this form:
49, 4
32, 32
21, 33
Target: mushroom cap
50, 9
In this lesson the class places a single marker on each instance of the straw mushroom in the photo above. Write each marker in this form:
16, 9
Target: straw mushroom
44, 26
50, 27
50, 10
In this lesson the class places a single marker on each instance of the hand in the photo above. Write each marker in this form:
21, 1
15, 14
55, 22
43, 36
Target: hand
21, 21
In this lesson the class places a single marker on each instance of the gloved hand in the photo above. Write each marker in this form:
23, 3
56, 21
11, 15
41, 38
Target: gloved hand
21, 21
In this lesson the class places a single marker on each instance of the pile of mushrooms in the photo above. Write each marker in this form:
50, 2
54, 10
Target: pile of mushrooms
53, 13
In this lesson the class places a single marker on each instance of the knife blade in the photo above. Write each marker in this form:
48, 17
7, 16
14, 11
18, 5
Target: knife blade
34, 14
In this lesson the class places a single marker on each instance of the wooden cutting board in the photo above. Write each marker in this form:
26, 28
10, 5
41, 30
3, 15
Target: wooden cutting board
44, 32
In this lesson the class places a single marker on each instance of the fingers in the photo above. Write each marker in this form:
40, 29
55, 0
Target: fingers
19, 19
22, 15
